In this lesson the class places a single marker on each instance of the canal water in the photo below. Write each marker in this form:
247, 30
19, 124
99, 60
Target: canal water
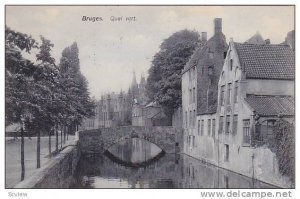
137, 163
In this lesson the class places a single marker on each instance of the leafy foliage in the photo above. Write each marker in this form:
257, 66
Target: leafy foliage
75, 87
164, 80
43, 94
18, 77
283, 145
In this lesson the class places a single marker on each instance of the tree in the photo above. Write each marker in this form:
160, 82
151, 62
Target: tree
75, 87
18, 83
164, 80
47, 85
40, 96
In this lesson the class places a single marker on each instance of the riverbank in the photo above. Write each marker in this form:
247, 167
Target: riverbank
13, 157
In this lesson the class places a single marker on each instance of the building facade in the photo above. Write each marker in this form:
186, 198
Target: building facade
115, 109
151, 114
255, 89
199, 92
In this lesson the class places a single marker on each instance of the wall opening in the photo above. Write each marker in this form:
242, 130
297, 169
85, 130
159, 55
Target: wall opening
226, 153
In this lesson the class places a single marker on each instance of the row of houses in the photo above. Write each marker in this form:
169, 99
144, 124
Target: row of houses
232, 94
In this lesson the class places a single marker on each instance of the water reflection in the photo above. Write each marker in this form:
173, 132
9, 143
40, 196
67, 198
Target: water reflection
134, 152
170, 171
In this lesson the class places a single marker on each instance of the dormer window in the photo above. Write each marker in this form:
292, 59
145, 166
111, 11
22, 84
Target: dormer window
231, 64
210, 55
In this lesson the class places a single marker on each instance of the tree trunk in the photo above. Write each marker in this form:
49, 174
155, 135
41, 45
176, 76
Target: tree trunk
64, 134
22, 155
49, 145
68, 133
56, 135
61, 138
38, 150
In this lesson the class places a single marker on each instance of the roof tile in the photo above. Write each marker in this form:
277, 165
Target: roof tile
272, 105
266, 61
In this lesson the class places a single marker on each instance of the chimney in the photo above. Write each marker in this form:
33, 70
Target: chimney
268, 41
204, 36
218, 25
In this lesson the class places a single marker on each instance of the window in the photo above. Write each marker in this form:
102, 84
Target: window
246, 131
194, 72
231, 64
194, 95
221, 125
190, 140
210, 70
210, 55
194, 119
236, 70
208, 127
186, 119
270, 128
228, 93
111, 115
202, 127
190, 118
236, 87
199, 127
235, 124
226, 153
222, 95
213, 127
226, 181
227, 124
193, 144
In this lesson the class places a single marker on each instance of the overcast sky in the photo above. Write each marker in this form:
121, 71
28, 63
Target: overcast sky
110, 51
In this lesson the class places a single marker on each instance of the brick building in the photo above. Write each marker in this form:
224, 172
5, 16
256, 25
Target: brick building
199, 85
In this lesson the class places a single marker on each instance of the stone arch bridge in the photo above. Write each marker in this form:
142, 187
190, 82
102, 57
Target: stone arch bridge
99, 140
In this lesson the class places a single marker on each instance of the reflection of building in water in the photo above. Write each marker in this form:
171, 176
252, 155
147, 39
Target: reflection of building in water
170, 171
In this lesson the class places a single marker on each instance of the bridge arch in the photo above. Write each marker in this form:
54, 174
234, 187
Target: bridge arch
130, 137
99, 140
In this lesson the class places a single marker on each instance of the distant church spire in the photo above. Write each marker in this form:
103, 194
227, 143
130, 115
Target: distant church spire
133, 83
143, 80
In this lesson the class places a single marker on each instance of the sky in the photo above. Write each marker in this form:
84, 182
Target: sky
110, 50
